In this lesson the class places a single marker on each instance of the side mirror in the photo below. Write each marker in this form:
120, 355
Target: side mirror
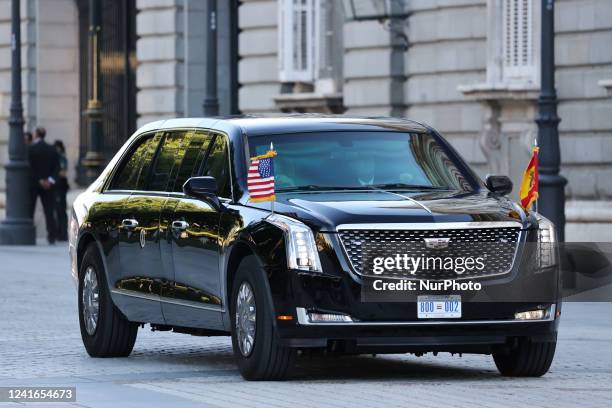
501, 185
204, 188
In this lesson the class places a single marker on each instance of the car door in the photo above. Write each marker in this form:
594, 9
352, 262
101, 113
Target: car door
196, 246
189, 156
141, 261
124, 279
107, 214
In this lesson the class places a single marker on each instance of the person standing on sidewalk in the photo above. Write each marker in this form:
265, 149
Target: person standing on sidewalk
44, 169
61, 189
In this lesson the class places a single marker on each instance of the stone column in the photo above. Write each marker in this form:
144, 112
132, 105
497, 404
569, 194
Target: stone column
94, 161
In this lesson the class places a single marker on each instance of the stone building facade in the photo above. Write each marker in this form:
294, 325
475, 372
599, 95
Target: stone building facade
470, 68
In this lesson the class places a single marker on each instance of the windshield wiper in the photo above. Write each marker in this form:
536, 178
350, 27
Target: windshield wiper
386, 186
314, 187
403, 186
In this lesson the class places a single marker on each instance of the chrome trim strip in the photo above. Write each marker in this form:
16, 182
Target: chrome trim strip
412, 200
188, 303
430, 225
157, 298
415, 201
135, 294
304, 320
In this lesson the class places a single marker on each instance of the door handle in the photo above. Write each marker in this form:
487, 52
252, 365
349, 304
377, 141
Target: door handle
129, 223
180, 225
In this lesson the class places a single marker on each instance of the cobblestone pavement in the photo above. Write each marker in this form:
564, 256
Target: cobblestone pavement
40, 345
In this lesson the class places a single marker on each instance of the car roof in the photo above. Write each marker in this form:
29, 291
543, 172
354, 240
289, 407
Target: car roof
253, 125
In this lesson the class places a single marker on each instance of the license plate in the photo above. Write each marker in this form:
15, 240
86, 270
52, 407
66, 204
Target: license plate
439, 307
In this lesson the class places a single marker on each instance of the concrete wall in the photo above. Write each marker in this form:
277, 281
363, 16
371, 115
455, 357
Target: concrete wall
447, 49
258, 65
57, 75
160, 53
171, 45
374, 71
584, 57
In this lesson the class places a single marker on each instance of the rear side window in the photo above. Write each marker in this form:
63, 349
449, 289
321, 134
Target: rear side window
168, 160
130, 174
194, 154
217, 166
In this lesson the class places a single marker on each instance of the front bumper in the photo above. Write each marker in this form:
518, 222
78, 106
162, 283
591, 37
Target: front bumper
305, 318
402, 337
392, 326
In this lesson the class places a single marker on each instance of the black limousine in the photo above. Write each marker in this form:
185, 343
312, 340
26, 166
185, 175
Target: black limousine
168, 235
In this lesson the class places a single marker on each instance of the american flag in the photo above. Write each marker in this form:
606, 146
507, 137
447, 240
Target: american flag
261, 178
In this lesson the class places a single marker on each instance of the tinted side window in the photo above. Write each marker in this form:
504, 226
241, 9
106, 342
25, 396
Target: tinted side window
217, 166
130, 169
167, 161
192, 159
147, 162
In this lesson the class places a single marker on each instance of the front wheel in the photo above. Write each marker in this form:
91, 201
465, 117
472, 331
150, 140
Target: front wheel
104, 329
255, 341
525, 359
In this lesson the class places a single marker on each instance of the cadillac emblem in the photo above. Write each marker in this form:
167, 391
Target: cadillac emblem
437, 243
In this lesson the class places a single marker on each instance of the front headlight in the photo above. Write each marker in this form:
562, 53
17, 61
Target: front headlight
547, 240
73, 230
300, 243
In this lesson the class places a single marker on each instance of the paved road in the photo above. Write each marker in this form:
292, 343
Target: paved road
40, 345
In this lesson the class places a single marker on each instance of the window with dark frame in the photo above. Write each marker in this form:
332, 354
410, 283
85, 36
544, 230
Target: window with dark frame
217, 166
129, 175
194, 155
167, 160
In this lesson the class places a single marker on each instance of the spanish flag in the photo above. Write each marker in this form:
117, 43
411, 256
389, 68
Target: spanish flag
529, 186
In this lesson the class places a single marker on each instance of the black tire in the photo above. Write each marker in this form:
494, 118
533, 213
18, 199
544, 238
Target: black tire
268, 360
526, 359
114, 335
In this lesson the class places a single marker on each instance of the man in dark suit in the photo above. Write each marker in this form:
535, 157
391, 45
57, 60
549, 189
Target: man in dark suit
44, 169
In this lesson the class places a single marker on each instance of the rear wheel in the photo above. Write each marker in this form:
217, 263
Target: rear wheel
255, 341
104, 329
525, 359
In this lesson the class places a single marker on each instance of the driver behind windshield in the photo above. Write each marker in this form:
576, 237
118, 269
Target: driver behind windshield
364, 170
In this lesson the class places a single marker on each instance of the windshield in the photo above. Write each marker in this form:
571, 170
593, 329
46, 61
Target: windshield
360, 160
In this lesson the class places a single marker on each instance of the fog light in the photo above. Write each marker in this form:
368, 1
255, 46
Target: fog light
530, 315
328, 317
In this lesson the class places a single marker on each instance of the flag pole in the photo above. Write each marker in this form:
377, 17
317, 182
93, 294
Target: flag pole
272, 202
538, 197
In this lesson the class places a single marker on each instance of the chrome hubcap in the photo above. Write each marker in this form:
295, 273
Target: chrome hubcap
245, 319
90, 300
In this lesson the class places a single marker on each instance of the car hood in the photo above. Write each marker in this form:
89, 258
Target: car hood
326, 210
